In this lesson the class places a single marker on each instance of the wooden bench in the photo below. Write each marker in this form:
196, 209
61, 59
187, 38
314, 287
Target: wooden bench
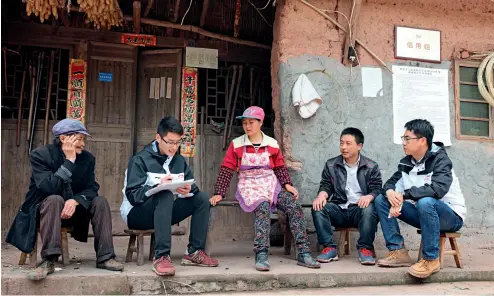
33, 256
455, 250
137, 236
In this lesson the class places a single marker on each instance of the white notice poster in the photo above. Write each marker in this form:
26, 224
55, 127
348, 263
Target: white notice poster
421, 93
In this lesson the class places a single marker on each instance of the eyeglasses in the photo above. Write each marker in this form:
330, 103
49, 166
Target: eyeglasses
178, 143
407, 139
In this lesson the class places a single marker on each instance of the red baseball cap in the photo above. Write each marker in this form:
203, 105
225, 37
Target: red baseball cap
253, 112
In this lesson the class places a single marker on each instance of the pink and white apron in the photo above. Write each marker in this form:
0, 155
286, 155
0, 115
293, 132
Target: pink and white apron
257, 182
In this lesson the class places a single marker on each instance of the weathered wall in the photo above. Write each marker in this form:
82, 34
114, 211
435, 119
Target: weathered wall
304, 42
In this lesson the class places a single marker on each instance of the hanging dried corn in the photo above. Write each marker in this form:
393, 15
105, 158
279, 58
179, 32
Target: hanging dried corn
103, 13
44, 9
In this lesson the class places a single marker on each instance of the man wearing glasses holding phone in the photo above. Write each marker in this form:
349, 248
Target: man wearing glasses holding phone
156, 164
424, 193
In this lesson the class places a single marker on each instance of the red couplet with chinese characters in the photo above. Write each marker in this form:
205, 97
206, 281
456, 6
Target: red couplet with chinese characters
189, 111
76, 100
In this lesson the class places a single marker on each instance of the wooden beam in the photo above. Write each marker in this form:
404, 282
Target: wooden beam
236, 24
31, 34
352, 32
148, 8
198, 30
204, 12
137, 17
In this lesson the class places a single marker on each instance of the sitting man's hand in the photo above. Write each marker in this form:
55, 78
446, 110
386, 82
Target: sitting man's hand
184, 190
395, 211
69, 209
365, 201
320, 202
215, 199
292, 190
394, 198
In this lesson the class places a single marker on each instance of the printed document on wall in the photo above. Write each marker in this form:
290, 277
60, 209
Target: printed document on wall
421, 93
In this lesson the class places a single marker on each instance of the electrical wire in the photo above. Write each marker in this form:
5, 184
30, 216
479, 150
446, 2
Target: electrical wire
260, 13
190, 5
265, 6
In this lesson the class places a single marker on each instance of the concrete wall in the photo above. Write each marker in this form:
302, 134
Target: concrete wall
304, 42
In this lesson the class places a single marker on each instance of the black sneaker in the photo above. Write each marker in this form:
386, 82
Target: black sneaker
45, 268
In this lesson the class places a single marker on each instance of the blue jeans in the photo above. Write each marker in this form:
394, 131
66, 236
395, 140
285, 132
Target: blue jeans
428, 214
333, 215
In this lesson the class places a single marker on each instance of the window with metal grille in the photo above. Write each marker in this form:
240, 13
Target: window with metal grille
474, 116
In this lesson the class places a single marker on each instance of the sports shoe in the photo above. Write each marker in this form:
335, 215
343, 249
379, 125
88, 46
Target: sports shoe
305, 259
366, 257
328, 254
163, 266
262, 263
199, 258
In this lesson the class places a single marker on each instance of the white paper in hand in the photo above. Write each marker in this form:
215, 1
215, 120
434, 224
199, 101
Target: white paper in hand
169, 186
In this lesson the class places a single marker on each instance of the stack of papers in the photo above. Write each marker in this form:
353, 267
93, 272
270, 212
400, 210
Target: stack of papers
173, 186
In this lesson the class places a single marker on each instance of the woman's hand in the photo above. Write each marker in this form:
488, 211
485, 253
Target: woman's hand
215, 199
292, 190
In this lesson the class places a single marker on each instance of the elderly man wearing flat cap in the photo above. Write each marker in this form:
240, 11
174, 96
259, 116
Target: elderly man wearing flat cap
63, 192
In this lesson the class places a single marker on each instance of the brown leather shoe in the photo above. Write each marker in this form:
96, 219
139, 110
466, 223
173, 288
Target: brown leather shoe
424, 268
45, 268
110, 264
163, 266
199, 258
396, 258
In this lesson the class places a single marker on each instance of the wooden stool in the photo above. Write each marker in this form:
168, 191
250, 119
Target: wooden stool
33, 256
139, 249
455, 250
344, 241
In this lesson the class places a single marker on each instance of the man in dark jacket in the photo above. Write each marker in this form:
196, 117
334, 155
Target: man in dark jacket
63, 192
156, 164
424, 193
349, 184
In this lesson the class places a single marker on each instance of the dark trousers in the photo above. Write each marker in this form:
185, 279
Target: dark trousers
50, 223
333, 215
162, 211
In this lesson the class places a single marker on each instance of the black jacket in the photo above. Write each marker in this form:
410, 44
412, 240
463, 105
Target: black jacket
52, 174
149, 160
435, 163
333, 180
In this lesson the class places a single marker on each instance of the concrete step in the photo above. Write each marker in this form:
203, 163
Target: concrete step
235, 273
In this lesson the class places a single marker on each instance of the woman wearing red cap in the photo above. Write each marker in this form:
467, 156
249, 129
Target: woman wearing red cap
264, 185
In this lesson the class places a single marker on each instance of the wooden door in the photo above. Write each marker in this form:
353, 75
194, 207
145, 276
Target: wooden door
110, 117
162, 67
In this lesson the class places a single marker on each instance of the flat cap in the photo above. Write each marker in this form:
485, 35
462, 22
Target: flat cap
69, 126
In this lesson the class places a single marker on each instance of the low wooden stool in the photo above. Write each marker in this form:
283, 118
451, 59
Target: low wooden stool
344, 241
455, 250
33, 256
138, 235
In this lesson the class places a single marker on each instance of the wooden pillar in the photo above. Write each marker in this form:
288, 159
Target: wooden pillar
137, 17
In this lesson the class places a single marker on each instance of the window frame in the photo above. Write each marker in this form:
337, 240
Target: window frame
458, 100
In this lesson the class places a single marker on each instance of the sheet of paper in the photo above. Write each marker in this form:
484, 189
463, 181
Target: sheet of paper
421, 93
152, 82
169, 186
169, 82
372, 82
162, 87
157, 88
